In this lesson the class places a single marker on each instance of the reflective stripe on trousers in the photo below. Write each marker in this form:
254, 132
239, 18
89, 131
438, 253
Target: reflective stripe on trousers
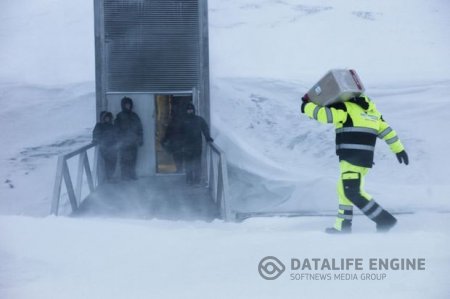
349, 171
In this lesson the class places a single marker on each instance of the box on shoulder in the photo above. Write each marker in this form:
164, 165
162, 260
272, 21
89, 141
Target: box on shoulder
337, 85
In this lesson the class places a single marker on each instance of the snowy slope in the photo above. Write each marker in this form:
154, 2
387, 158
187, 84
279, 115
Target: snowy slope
386, 41
39, 123
300, 152
264, 56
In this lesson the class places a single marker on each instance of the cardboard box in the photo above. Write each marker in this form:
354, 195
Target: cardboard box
336, 86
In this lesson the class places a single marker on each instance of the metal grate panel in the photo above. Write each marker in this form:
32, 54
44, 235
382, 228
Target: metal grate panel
152, 45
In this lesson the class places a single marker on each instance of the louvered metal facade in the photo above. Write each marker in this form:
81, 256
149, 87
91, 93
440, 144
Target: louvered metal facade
152, 46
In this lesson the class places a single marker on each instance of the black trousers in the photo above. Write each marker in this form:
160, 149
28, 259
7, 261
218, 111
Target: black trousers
128, 158
178, 157
110, 160
193, 164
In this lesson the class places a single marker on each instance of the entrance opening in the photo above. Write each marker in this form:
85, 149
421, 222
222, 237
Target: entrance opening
170, 112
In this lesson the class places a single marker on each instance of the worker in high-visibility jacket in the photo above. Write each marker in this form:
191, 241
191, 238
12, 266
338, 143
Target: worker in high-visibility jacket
358, 124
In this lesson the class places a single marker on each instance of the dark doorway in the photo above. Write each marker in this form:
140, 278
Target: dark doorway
170, 112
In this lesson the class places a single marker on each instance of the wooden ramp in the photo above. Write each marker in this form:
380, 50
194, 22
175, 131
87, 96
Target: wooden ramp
157, 197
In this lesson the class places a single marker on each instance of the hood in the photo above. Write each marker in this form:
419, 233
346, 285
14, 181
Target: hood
126, 100
108, 114
190, 106
102, 115
362, 101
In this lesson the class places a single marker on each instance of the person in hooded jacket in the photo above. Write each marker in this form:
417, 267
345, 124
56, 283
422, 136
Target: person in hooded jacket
358, 125
104, 135
173, 141
193, 127
130, 137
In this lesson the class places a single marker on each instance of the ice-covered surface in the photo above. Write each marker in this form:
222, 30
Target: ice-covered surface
264, 56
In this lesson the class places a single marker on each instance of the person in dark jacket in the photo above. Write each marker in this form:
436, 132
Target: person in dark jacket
130, 137
194, 126
104, 135
173, 141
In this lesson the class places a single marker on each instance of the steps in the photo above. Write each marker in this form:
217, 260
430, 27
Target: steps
162, 197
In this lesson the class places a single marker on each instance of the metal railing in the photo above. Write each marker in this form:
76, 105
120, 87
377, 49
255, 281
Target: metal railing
218, 180
74, 193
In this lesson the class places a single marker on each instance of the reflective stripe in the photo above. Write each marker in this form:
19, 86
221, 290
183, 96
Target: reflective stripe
368, 206
329, 115
356, 147
392, 140
345, 208
350, 176
385, 132
356, 129
316, 112
347, 217
375, 213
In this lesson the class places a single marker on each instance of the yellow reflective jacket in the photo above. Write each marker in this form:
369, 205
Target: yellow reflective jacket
358, 124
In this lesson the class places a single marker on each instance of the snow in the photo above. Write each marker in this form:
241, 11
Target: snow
386, 41
264, 55
104, 258
47, 42
37, 125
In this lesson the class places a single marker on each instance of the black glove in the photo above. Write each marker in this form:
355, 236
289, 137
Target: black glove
305, 98
402, 157
209, 139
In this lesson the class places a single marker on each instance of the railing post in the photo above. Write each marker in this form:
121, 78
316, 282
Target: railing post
57, 186
226, 203
63, 173
69, 187
208, 165
79, 184
212, 181
218, 187
219, 194
216, 176
89, 178
95, 167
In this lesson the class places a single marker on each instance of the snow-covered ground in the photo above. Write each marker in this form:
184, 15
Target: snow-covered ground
264, 56
102, 258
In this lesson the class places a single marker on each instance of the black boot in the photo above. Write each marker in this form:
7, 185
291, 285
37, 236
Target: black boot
385, 221
333, 231
346, 227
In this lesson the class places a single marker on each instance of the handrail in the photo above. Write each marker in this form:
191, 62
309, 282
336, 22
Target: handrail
218, 180
63, 173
